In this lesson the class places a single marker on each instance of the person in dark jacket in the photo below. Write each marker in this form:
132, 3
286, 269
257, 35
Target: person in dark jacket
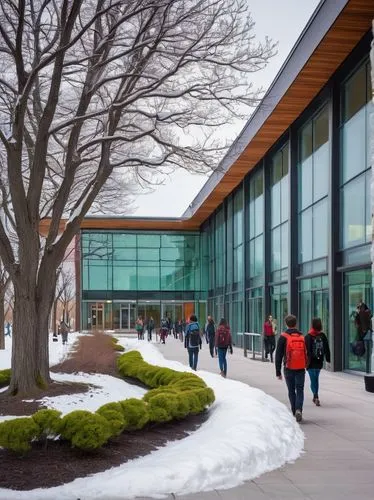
269, 337
210, 332
318, 350
223, 342
295, 362
150, 328
192, 341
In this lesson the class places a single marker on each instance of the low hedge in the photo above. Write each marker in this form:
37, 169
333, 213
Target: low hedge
5, 377
173, 395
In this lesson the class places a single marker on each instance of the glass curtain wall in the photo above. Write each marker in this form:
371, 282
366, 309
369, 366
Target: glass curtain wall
357, 287
255, 253
314, 302
279, 196
313, 172
125, 274
356, 159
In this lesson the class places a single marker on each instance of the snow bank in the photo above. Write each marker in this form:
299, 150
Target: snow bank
247, 434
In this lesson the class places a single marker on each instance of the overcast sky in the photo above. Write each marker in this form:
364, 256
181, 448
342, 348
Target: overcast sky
281, 20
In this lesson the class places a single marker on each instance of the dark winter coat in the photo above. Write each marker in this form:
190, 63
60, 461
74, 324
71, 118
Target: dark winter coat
210, 330
313, 362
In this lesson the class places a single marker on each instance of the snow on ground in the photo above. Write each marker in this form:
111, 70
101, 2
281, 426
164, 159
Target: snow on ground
106, 388
247, 434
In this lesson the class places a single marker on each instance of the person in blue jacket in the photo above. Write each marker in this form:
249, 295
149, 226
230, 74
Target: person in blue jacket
192, 341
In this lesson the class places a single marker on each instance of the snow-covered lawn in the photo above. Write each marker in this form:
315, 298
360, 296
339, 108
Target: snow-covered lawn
247, 433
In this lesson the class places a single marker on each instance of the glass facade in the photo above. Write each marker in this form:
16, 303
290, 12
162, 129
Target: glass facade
314, 166
292, 237
127, 274
356, 159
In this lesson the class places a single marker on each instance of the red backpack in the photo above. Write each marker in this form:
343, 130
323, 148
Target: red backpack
296, 356
223, 333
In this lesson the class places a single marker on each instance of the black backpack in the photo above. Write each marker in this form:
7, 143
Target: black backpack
318, 348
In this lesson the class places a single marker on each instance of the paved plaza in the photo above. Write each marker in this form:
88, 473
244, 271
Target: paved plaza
339, 436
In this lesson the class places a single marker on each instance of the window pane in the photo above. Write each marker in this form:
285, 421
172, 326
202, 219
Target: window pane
149, 240
124, 240
259, 215
306, 249
276, 249
259, 256
355, 93
354, 212
321, 129
284, 201
275, 204
285, 153
320, 228
124, 253
354, 145
98, 277
321, 167
149, 254
148, 277
306, 141
284, 245
368, 208
277, 168
124, 278
306, 186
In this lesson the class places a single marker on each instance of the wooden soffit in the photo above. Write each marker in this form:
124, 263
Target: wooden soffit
348, 29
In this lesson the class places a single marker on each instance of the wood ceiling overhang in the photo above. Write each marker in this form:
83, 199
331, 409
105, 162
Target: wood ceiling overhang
337, 26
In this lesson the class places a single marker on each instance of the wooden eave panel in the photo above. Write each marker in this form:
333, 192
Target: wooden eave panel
341, 39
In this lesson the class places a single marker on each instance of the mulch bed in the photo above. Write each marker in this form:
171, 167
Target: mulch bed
58, 463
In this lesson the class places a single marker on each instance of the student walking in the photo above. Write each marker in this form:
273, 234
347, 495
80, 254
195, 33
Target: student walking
269, 337
139, 327
164, 330
291, 350
318, 350
150, 328
210, 333
223, 342
192, 341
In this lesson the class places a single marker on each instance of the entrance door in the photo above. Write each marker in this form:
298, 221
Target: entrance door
97, 316
125, 317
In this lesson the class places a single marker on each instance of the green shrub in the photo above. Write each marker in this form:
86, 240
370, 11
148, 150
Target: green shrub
5, 377
135, 413
116, 346
48, 421
162, 407
17, 434
114, 414
87, 431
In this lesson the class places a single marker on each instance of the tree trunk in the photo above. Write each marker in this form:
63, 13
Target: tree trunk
30, 355
2, 318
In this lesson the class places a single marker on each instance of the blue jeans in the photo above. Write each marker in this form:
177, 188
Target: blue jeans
314, 380
295, 380
222, 351
193, 356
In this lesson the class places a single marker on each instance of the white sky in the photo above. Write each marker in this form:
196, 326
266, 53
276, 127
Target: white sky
281, 20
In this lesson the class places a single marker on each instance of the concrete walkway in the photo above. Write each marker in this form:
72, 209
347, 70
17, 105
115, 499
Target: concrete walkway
339, 459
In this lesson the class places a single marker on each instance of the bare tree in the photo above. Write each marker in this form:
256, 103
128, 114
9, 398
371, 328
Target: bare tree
65, 293
4, 284
96, 90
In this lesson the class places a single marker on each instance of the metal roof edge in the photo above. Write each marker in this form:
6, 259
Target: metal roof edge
313, 33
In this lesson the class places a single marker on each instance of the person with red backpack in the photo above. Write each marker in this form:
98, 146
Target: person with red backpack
318, 350
291, 349
223, 342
